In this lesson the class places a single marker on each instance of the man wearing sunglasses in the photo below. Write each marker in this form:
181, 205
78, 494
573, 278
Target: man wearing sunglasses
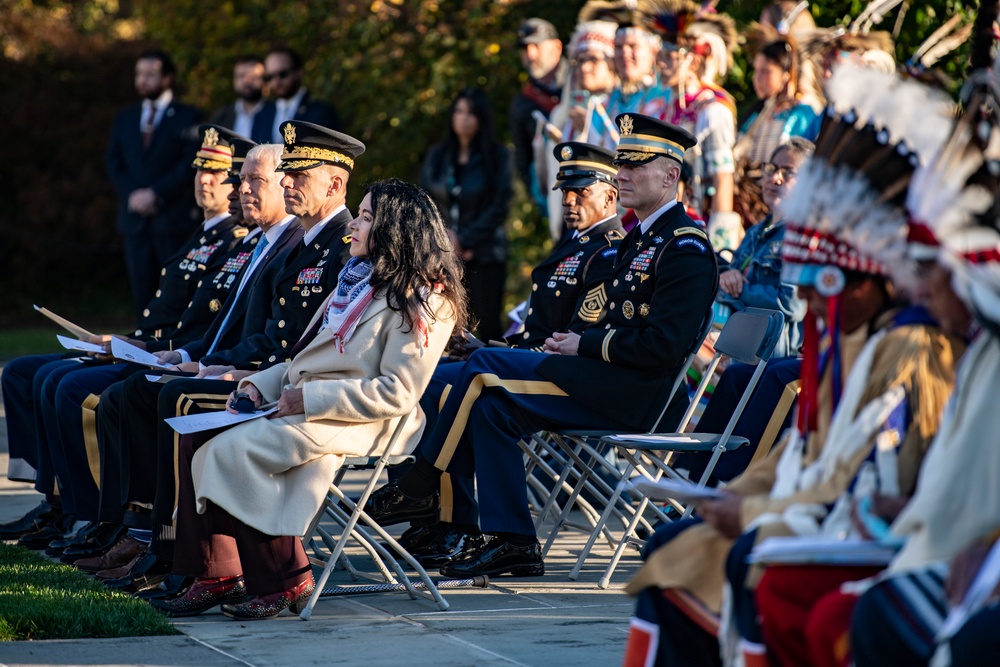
283, 76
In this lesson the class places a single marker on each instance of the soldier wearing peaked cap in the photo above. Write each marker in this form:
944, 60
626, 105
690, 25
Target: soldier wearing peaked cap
568, 294
615, 374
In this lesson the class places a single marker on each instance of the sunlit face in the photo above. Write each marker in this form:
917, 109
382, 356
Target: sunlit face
641, 186
776, 185
669, 61
769, 80
149, 79
307, 191
261, 194
584, 207
210, 193
248, 81
360, 227
463, 121
594, 72
634, 55
541, 58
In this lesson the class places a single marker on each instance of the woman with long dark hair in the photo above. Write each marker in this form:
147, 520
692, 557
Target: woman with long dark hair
247, 494
469, 176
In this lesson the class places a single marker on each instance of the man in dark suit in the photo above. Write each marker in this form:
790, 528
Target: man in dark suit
148, 160
283, 73
614, 374
250, 115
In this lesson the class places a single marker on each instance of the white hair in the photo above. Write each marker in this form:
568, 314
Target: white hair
272, 151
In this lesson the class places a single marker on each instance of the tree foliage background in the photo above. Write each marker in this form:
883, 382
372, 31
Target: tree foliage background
390, 67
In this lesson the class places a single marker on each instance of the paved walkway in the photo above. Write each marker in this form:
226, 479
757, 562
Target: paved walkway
547, 621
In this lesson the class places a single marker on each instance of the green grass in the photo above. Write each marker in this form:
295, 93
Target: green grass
40, 599
36, 340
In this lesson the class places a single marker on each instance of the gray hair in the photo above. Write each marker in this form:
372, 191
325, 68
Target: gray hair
272, 151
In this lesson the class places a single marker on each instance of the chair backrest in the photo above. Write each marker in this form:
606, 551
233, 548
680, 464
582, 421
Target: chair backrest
750, 335
689, 358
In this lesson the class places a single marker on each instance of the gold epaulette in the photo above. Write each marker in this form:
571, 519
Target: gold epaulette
690, 230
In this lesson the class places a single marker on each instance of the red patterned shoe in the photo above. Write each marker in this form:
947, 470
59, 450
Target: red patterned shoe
269, 606
202, 596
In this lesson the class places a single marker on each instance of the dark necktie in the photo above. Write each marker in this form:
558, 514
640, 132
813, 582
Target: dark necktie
148, 126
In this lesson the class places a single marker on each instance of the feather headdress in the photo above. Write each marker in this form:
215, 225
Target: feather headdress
695, 27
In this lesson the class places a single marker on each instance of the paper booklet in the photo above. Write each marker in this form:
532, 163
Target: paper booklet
82, 345
665, 489
129, 352
207, 421
821, 550
77, 331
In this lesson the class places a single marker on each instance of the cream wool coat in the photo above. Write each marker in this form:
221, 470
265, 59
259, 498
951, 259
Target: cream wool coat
273, 474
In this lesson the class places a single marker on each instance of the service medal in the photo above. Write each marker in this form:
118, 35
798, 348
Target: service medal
628, 310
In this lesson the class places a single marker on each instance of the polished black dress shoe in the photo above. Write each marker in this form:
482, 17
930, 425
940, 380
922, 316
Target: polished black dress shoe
174, 585
389, 506
55, 530
147, 572
41, 515
496, 557
98, 542
442, 547
56, 547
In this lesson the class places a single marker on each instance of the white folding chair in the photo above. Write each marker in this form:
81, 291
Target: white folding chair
749, 337
580, 457
328, 550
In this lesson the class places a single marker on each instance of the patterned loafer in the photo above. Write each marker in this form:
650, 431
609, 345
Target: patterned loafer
269, 606
202, 596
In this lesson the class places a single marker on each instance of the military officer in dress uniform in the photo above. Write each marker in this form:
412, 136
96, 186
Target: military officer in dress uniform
204, 252
316, 164
568, 294
615, 375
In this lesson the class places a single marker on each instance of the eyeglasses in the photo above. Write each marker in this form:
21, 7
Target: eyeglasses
282, 74
770, 169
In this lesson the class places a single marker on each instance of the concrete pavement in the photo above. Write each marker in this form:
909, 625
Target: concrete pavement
545, 621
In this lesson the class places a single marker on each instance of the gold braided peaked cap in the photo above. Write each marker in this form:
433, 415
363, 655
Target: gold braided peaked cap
216, 151
308, 145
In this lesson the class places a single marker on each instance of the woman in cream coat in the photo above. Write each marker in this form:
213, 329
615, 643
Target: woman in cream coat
362, 365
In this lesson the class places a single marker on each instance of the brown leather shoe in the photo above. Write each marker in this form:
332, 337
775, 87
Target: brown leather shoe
122, 570
120, 554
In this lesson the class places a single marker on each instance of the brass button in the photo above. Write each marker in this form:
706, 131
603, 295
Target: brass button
138, 332
282, 301
558, 292
305, 304
145, 313
190, 303
187, 276
158, 292
180, 324
633, 288
163, 272
527, 335
611, 306
534, 287
615, 283
531, 310
281, 324
199, 284
271, 358
284, 343
607, 326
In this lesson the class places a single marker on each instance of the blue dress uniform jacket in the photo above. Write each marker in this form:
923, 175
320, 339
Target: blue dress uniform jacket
663, 284
567, 287
210, 293
309, 274
203, 253
246, 313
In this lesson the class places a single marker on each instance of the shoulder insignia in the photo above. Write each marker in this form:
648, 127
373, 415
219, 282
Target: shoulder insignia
240, 232
347, 239
593, 304
690, 230
692, 242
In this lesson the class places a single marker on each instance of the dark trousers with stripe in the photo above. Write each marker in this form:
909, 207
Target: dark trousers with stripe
498, 398
19, 399
68, 406
215, 544
765, 417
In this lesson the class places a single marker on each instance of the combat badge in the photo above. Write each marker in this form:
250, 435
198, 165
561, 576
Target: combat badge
644, 309
593, 304
214, 305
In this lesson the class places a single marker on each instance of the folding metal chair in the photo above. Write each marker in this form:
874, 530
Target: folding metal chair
573, 458
391, 573
749, 337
